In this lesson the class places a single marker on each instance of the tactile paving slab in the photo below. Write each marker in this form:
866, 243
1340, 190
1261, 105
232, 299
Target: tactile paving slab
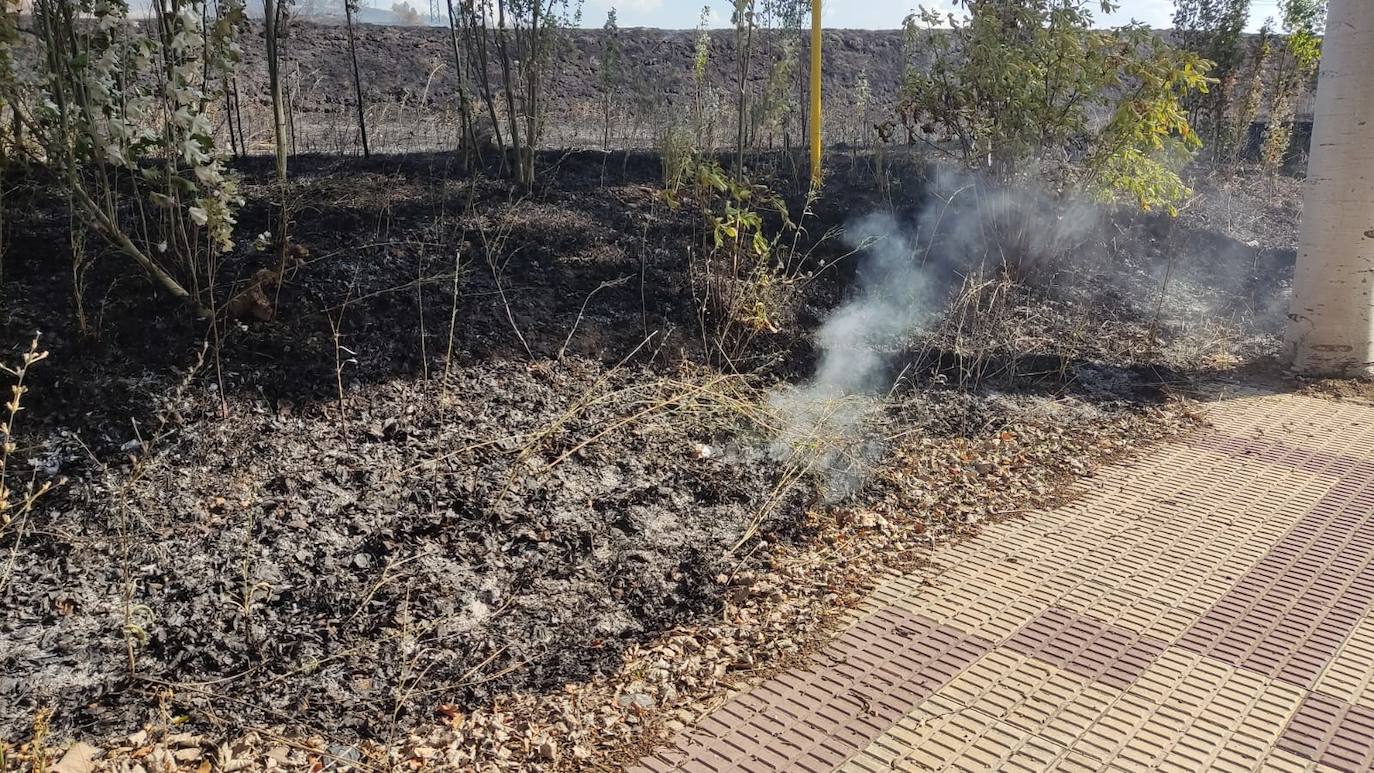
1204, 607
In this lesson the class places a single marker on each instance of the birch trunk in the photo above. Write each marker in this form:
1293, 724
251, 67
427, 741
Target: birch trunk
1331, 332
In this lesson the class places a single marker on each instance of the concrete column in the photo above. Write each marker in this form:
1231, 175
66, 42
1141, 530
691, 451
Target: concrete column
1331, 332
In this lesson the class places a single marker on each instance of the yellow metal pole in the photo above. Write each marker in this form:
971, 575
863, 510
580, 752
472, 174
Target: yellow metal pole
815, 93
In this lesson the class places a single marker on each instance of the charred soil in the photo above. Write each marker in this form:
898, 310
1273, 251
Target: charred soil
473, 446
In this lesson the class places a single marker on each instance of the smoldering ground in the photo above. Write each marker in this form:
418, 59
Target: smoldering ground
915, 271
908, 270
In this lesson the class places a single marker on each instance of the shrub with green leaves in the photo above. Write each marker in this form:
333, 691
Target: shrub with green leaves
1213, 28
611, 75
1297, 56
705, 104
1028, 89
1252, 81
115, 108
16, 503
742, 275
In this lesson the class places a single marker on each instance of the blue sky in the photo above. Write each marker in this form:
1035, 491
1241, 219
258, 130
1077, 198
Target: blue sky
867, 14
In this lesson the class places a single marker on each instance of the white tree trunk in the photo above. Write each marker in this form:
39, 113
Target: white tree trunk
1331, 332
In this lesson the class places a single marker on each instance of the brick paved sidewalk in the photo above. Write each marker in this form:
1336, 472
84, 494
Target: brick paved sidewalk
1206, 607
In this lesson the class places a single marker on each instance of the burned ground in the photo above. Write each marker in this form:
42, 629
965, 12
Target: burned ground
478, 450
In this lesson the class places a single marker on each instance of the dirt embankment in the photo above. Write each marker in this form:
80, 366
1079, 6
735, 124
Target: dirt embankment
409, 87
409, 79
412, 68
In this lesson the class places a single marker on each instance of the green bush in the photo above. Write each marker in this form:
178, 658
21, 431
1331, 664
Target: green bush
1027, 89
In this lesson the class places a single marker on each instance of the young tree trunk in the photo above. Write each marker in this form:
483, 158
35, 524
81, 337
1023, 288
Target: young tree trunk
269, 11
606, 124
803, 99
477, 29
464, 115
1332, 312
229, 119
238, 115
16, 132
292, 94
533, 69
357, 78
744, 37
507, 75
818, 125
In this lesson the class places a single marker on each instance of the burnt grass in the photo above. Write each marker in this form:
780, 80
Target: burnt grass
237, 543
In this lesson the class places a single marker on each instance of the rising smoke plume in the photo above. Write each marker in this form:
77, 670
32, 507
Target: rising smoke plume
1192, 289
822, 419
906, 274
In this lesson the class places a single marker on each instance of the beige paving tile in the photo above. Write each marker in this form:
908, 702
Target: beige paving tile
1152, 552
1279, 761
946, 736
1188, 547
1188, 712
1350, 677
1030, 694
1327, 426
1168, 620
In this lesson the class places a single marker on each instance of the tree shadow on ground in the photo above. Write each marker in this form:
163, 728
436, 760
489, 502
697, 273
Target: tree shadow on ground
577, 267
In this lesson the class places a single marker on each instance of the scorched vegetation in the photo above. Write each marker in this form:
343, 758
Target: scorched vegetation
495, 393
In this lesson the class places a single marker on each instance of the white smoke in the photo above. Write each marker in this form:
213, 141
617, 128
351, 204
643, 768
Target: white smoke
822, 420
905, 277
